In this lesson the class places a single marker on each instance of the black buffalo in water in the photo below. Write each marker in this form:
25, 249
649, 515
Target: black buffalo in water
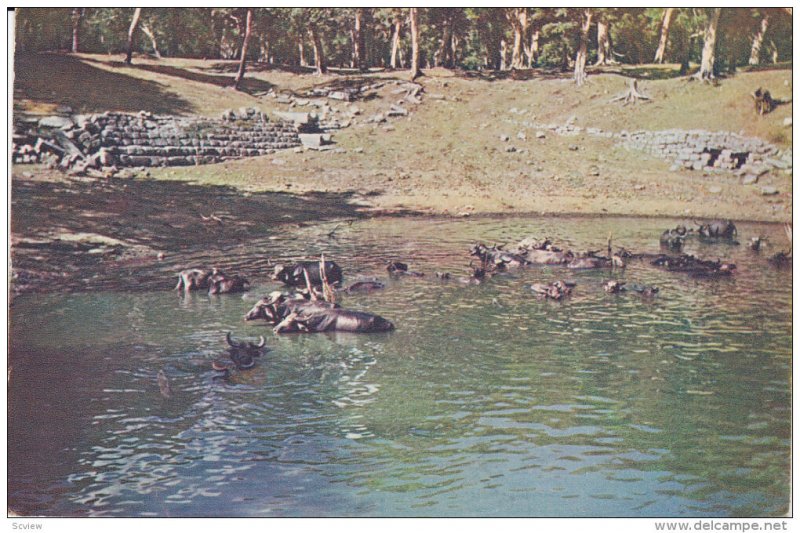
294, 275
674, 239
596, 261
292, 314
496, 259
242, 355
694, 266
221, 283
396, 268
615, 287
194, 278
717, 230
557, 290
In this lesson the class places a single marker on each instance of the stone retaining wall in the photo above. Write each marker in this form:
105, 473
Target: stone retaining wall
146, 140
160, 140
748, 157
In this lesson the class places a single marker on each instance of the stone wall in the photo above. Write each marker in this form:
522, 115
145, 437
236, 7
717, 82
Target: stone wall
748, 157
146, 140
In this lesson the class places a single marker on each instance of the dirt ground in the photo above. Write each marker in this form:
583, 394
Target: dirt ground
448, 157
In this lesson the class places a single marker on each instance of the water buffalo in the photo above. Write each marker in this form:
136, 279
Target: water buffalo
194, 278
293, 275
242, 354
673, 239
495, 258
292, 314
365, 286
616, 287
222, 284
596, 261
694, 266
401, 269
278, 306
717, 229
555, 291
333, 319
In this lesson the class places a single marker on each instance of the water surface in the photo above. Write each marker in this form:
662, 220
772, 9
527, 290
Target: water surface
484, 402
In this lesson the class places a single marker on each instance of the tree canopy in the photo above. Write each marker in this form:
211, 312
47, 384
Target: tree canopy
466, 38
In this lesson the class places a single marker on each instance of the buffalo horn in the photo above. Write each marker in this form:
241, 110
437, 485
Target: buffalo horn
231, 342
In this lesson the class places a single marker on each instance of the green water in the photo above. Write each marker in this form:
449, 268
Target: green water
485, 401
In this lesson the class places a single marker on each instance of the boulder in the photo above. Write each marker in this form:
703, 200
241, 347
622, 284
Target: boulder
55, 121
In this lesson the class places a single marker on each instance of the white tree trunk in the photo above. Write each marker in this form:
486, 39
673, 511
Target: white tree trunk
146, 30
131, 30
709, 45
602, 43
395, 43
580, 57
758, 40
666, 20
415, 63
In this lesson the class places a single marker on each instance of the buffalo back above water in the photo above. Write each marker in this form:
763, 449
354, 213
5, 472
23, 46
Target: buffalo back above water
293, 274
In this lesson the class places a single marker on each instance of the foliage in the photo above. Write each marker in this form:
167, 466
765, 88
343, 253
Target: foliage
474, 34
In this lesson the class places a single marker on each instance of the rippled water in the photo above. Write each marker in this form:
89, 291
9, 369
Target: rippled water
484, 402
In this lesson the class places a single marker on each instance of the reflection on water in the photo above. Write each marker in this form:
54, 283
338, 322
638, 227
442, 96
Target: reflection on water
484, 402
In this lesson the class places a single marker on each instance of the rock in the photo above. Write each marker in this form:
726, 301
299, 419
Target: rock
594, 170
302, 101
787, 121
749, 179
505, 138
354, 110
397, 111
313, 140
674, 168
639, 187
56, 122
574, 147
277, 161
436, 96
340, 95
283, 99
521, 136
540, 134
768, 190
510, 149
358, 150
298, 149
715, 189
64, 109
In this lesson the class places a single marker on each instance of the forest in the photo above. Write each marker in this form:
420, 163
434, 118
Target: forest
498, 39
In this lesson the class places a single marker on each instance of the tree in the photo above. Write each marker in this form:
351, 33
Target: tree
518, 17
245, 42
666, 20
706, 71
413, 16
580, 57
319, 53
77, 16
758, 40
131, 30
397, 29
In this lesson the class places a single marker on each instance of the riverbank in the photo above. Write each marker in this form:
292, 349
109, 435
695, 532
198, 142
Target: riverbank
470, 146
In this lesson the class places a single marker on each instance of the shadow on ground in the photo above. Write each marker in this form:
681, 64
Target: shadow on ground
65, 80
181, 220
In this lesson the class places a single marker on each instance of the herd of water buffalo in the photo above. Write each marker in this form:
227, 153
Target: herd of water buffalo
311, 306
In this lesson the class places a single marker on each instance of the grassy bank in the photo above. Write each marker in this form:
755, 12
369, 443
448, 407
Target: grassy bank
448, 156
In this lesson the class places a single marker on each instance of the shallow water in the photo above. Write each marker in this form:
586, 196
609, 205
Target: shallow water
485, 401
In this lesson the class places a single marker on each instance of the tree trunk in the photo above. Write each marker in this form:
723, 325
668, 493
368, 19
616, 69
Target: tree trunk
535, 46
134, 22
446, 46
758, 40
319, 53
358, 41
248, 29
301, 50
580, 57
519, 23
709, 45
146, 31
666, 20
503, 54
415, 69
603, 45
398, 25
77, 15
